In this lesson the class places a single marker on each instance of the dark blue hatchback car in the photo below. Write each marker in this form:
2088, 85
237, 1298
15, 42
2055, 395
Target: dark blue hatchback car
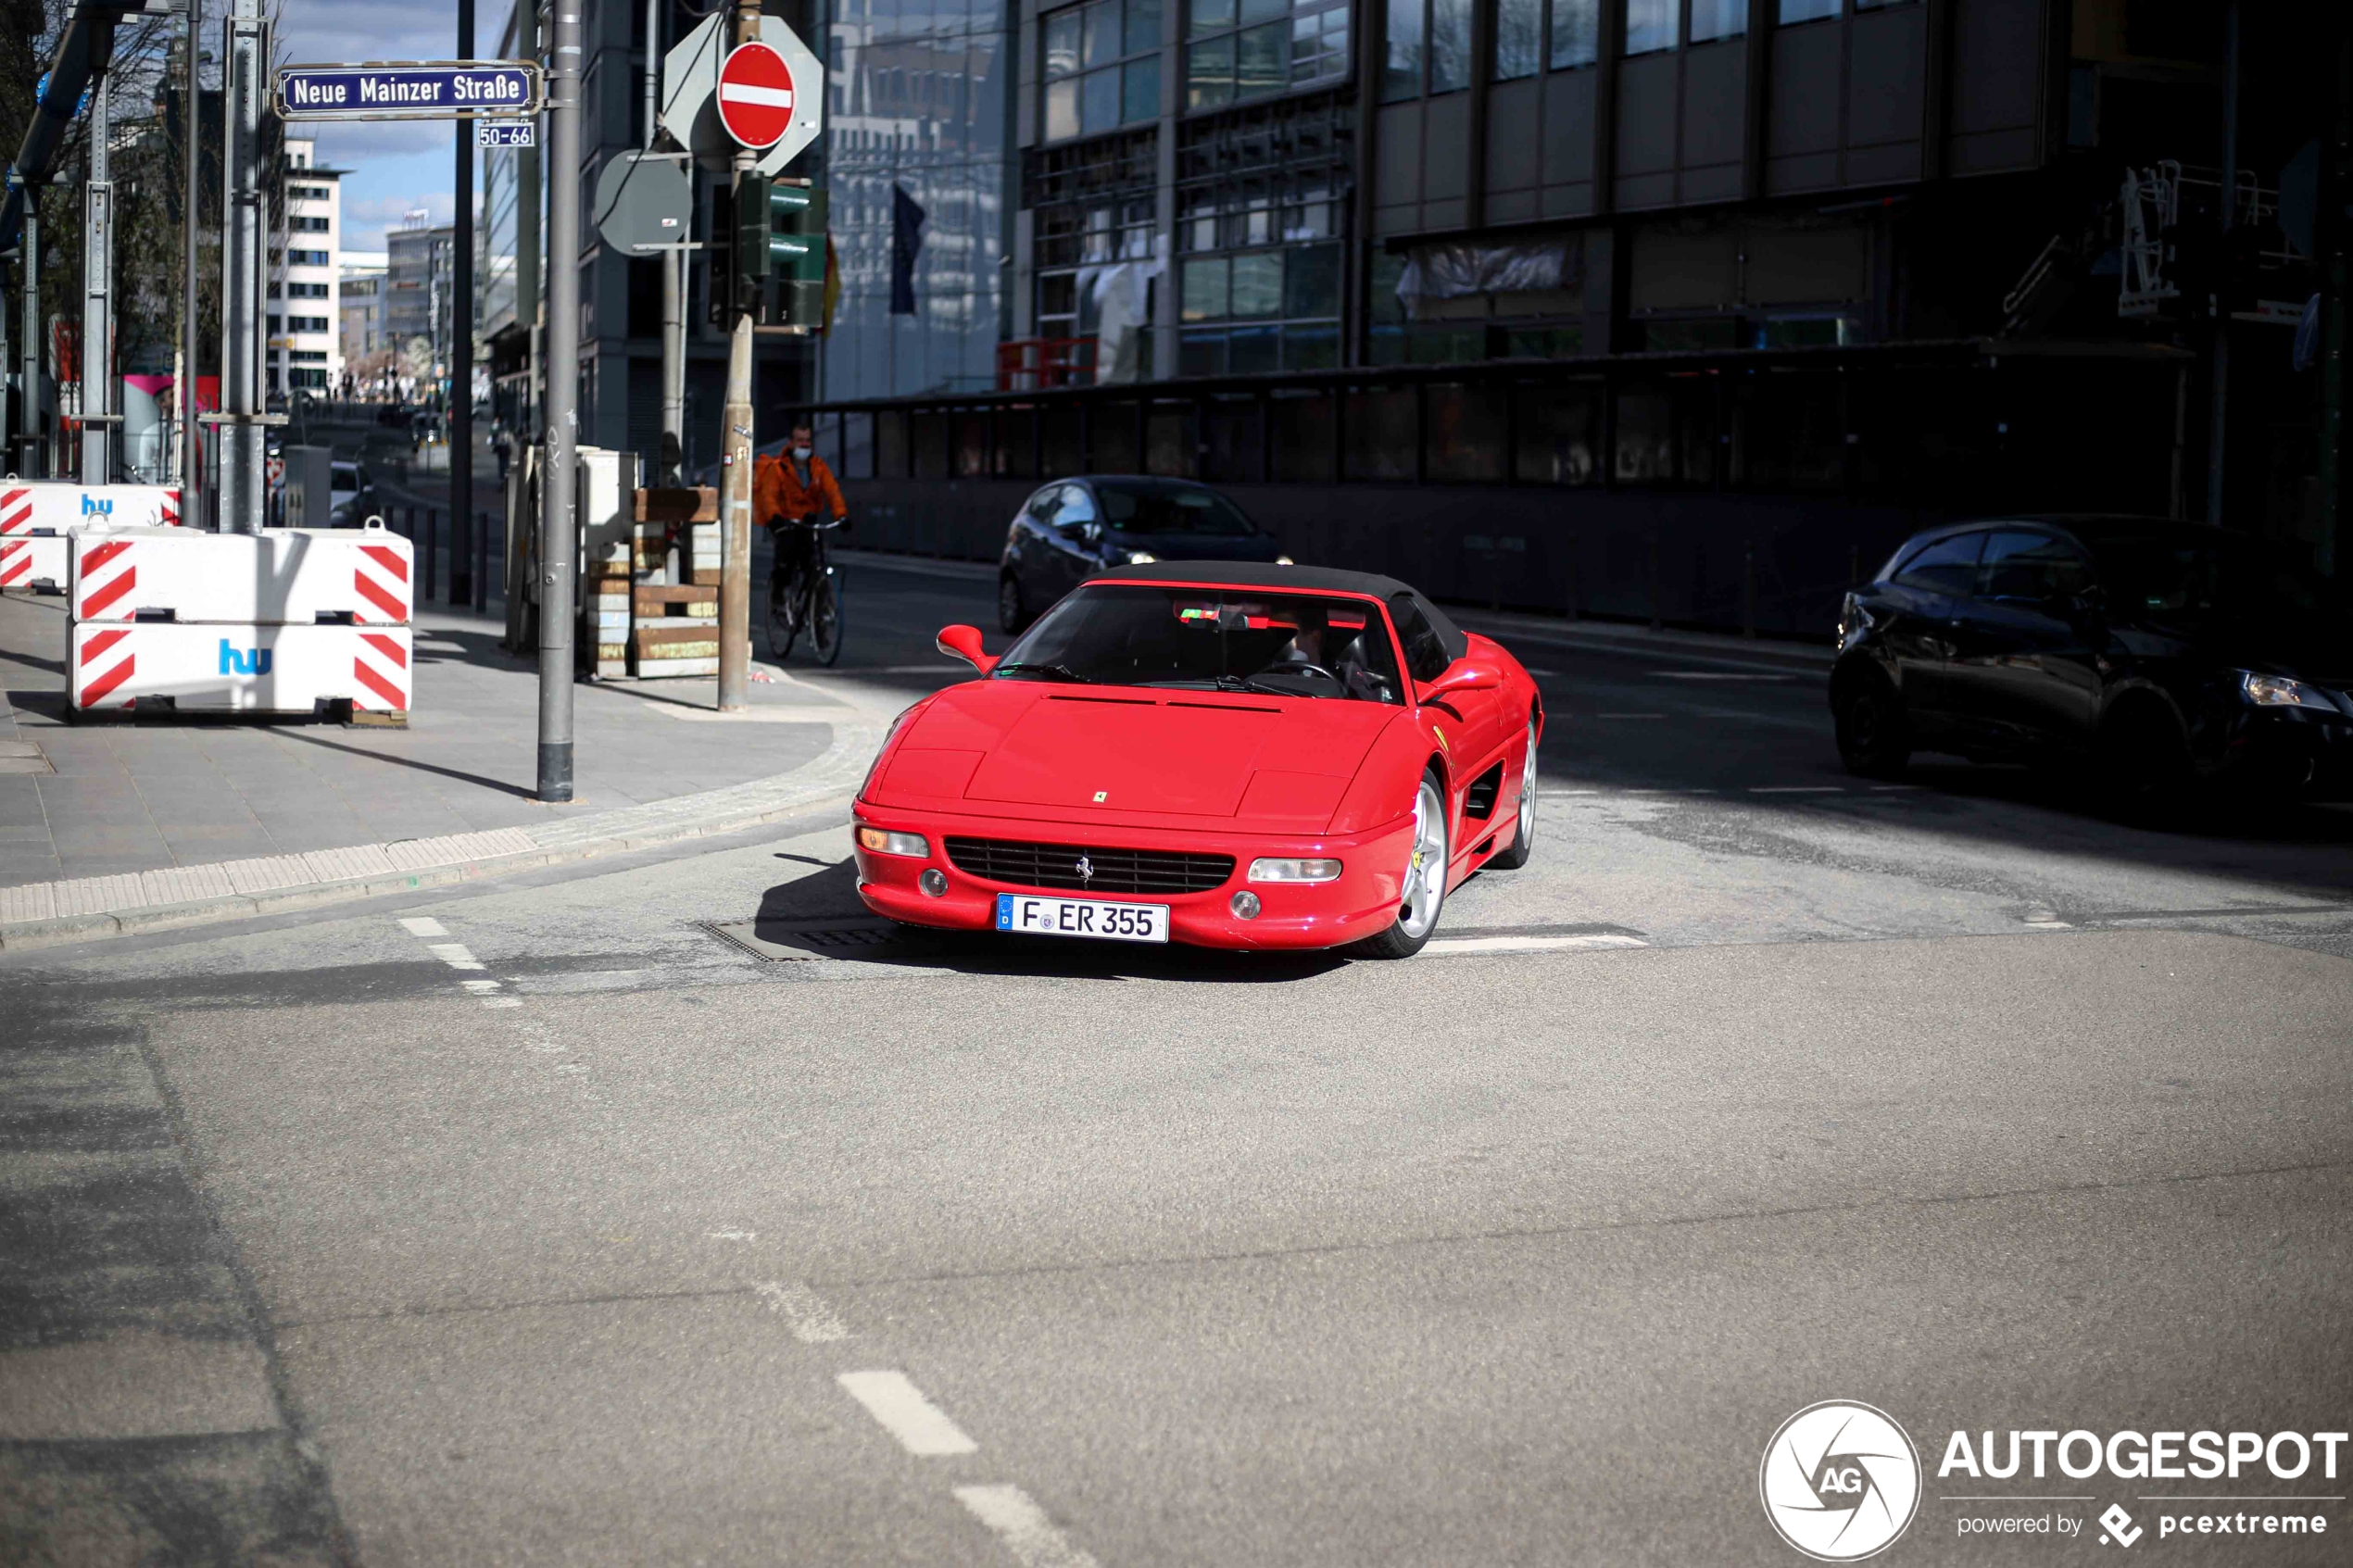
1073, 528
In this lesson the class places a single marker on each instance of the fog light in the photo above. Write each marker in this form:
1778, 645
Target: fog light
892, 842
934, 882
1285, 869
1245, 906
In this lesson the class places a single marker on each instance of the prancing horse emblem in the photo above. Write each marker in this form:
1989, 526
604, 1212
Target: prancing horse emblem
1086, 868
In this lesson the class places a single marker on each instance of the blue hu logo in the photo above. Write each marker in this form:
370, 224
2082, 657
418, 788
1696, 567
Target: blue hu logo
92, 506
243, 661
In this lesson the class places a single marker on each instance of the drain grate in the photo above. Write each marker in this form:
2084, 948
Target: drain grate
800, 941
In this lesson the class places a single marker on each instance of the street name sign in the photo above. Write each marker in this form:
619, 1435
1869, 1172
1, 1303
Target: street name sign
690, 93
409, 90
755, 95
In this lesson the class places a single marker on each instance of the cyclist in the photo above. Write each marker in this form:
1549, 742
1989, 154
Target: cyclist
788, 494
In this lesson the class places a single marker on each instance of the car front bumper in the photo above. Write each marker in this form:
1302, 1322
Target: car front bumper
1360, 903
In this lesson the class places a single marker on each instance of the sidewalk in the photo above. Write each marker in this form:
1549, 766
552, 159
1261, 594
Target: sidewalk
113, 825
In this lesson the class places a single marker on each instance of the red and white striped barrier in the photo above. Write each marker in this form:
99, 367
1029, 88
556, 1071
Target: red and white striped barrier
283, 576
240, 669
53, 505
36, 561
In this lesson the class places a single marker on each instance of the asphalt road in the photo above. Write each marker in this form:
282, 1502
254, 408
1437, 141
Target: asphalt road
637, 1244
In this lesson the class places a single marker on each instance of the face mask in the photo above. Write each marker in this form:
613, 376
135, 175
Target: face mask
801, 452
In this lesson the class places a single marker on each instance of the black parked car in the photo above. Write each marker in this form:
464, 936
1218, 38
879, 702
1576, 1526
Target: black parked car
2169, 653
1073, 528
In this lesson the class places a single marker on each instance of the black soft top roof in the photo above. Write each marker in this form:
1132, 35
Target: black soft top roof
1295, 579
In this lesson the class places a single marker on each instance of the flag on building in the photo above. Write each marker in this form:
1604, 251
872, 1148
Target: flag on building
906, 245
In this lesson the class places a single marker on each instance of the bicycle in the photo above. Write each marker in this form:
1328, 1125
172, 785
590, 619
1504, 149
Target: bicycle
805, 592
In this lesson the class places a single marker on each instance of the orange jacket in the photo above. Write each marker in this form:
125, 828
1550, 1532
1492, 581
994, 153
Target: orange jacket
777, 493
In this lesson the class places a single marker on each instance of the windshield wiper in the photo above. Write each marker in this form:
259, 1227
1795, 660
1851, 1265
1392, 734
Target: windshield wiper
1049, 672
1244, 683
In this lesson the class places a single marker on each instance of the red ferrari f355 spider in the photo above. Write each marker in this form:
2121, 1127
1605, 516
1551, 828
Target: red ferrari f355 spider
1230, 754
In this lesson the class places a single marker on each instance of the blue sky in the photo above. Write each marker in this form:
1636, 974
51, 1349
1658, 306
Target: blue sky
395, 166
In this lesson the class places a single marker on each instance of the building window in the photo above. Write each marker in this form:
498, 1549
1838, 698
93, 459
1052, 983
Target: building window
1237, 50
307, 291
311, 193
306, 356
1576, 33
307, 381
306, 323
1718, 19
1789, 11
1262, 197
1650, 26
1519, 38
311, 225
1446, 24
306, 258
1103, 67
1091, 205
273, 325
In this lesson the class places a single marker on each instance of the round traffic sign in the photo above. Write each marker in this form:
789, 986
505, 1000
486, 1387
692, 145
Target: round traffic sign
755, 95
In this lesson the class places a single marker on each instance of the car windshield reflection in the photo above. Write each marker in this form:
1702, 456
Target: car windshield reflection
1208, 639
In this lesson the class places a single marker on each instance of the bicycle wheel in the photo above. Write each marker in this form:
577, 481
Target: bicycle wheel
783, 613
824, 616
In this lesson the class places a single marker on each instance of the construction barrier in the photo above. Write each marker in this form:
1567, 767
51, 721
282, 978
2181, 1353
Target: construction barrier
281, 576
239, 669
36, 515
275, 622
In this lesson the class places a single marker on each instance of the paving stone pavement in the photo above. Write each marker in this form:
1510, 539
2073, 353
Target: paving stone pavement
81, 801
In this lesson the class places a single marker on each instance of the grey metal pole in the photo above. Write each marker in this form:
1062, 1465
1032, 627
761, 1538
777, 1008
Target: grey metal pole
463, 589
735, 478
191, 135
29, 409
2218, 396
674, 273
98, 286
244, 71
558, 535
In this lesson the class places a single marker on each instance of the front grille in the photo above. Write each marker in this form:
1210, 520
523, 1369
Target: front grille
1116, 871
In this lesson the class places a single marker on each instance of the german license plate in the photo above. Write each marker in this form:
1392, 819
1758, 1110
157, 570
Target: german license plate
1026, 916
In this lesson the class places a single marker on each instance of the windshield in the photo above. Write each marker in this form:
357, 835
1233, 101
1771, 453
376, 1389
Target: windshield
1210, 639
1131, 507
2208, 579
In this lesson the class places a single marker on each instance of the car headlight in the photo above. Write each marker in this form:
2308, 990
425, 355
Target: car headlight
2278, 691
1141, 558
886, 843
1279, 869
1285, 560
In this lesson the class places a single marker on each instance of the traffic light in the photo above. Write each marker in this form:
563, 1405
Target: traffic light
777, 262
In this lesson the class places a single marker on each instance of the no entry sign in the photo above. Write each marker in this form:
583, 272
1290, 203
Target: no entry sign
755, 95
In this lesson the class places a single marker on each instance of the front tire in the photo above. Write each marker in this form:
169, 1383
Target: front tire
1010, 615
783, 613
1424, 895
1874, 737
824, 619
1523, 842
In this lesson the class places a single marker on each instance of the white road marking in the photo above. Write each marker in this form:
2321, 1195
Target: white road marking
920, 1426
1714, 675
570, 1067
481, 987
502, 1001
423, 925
1023, 1526
1889, 789
732, 1235
1797, 789
1446, 946
454, 954
811, 1322
1630, 715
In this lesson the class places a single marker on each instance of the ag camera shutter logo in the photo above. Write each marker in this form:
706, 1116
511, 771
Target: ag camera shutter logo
1841, 1481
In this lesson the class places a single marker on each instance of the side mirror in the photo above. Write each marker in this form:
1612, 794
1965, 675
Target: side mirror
1463, 675
964, 642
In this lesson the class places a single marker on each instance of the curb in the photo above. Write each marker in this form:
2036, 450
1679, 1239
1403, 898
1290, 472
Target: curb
835, 775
